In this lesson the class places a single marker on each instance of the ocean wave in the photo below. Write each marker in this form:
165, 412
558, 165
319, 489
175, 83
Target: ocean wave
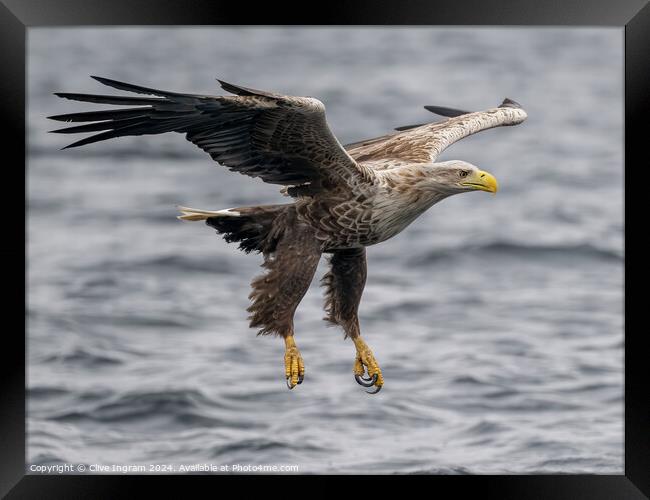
468, 379
257, 445
47, 459
571, 463
196, 419
46, 393
443, 471
129, 152
485, 427
189, 408
42, 392
82, 357
506, 248
159, 319
181, 263
519, 405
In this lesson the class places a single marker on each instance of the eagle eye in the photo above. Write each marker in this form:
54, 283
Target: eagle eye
463, 173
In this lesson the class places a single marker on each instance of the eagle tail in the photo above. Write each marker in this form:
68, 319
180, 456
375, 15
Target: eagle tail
255, 228
196, 214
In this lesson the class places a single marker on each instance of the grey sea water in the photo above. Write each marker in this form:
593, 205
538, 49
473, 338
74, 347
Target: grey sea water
497, 320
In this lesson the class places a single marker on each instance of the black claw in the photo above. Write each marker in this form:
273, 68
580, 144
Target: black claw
301, 378
375, 392
367, 383
289, 383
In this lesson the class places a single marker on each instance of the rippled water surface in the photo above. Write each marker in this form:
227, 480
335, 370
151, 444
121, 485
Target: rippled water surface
497, 320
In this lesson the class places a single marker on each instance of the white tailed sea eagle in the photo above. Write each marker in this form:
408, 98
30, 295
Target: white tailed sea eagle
345, 197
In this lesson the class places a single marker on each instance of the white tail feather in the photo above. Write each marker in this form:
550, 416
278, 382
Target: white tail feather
195, 214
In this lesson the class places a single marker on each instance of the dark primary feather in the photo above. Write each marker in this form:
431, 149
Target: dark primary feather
438, 110
244, 91
137, 89
409, 127
109, 99
283, 140
509, 103
91, 116
443, 111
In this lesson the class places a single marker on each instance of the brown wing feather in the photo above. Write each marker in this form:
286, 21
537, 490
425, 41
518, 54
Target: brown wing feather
281, 139
425, 143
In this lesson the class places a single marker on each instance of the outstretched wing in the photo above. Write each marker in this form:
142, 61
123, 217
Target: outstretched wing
424, 143
281, 139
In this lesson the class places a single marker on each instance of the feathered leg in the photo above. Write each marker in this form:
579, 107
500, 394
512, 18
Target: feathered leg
344, 286
277, 293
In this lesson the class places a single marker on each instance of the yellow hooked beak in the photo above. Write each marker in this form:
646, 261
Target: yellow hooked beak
481, 181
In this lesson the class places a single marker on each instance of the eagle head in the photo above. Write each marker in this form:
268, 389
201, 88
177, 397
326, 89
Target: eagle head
452, 177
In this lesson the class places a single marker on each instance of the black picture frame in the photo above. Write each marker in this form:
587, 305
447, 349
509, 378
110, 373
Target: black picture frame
18, 15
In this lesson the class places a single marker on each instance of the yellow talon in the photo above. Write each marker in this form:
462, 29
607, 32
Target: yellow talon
294, 367
366, 359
